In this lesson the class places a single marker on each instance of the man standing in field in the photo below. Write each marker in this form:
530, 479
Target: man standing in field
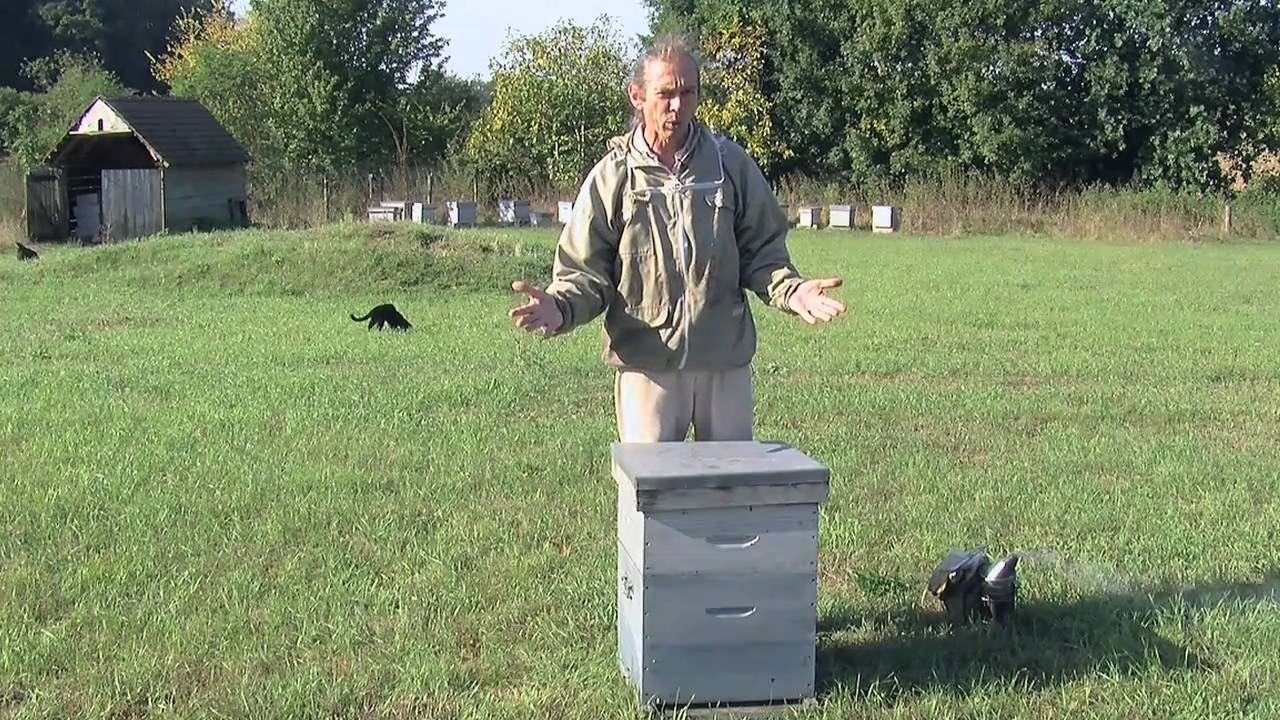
668, 230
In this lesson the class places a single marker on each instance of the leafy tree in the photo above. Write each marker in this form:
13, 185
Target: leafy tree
120, 33
435, 114
734, 101
1180, 83
12, 102
321, 85
1272, 135
1041, 90
22, 38
337, 68
219, 60
34, 123
558, 96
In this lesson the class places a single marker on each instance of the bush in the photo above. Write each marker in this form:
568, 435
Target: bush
33, 123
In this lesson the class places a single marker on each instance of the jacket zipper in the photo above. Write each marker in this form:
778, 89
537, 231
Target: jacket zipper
685, 272
676, 194
682, 191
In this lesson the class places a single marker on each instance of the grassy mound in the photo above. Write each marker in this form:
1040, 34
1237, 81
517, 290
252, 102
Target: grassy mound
338, 259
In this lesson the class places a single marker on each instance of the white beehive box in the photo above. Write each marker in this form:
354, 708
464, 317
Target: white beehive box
885, 218
424, 214
565, 211
841, 216
810, 217
717, 570
513, 212
461, 213
385, 214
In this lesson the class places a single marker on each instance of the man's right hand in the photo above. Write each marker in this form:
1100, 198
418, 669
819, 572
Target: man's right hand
539, 314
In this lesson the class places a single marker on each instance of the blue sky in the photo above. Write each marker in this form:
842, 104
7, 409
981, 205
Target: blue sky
478, 29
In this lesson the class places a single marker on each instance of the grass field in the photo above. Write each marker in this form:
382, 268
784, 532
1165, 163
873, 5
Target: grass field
219, 497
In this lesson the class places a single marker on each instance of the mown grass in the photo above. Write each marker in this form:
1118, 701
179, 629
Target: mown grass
221, 497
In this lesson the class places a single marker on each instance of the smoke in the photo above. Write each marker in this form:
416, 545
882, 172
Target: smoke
1087, 576
1096, 578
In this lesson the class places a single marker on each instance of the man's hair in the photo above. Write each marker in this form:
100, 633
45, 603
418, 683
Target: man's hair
668, 47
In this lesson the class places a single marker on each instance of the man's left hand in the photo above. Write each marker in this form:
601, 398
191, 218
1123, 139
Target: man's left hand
811, 302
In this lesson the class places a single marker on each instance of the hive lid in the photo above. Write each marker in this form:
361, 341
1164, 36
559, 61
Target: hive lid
684, 465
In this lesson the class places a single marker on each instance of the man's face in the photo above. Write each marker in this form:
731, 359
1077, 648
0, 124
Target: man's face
668, 99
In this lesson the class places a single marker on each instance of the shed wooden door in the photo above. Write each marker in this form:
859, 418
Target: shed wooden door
131, 203
47, 216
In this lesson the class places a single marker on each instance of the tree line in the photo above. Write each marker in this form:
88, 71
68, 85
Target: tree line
1043, 93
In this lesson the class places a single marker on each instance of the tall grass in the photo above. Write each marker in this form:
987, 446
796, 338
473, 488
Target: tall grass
948, 204
958, 203
298, 200
11, 202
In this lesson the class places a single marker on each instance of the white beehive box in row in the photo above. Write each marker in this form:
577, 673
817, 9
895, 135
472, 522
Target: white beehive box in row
841, 216
423, 214
400, 210
461, 213
513, 212
510, 212
385, 214
717, 570
885, 218
810, 217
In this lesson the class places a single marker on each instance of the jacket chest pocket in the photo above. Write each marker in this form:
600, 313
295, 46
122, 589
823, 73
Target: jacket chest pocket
636, 268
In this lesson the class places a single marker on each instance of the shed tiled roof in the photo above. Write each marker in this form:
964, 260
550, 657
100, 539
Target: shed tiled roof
180, 130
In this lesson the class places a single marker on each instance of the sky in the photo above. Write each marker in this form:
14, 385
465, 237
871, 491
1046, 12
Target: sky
478, 29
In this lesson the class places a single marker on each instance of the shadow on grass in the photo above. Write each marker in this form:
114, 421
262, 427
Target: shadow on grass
1047, 643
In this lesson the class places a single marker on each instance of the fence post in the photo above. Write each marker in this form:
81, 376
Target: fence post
369, 197
430, 178
1226, 219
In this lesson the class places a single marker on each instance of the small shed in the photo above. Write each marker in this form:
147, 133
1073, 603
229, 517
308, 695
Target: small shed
134, 166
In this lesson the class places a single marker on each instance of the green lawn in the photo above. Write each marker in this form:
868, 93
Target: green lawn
219, 497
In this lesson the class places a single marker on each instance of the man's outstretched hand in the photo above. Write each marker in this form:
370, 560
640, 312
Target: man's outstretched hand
539, 314
811, 302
